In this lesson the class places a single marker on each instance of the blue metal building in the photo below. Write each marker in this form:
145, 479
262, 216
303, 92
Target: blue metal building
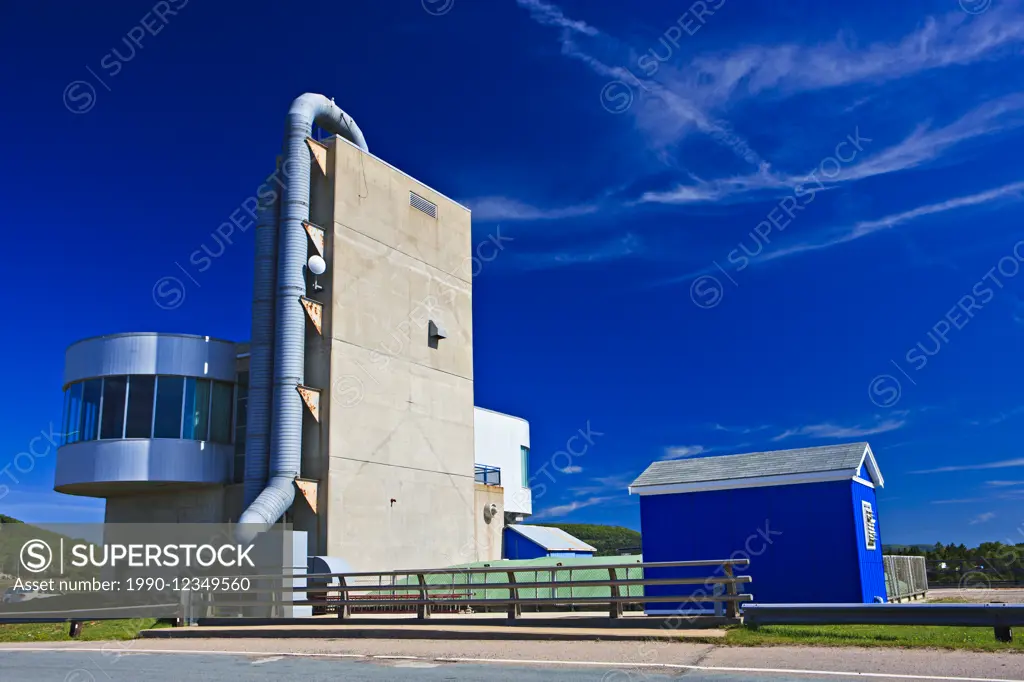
807, 519
532, 542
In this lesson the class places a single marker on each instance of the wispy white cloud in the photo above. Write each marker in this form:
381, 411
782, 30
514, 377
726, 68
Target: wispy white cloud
582, 253
603, 485
1012, 192
1003, 484
671, 117
571, 469
743, 430
953, 39
509, 209
681, 451
563, 509
832, 430
998, 418
1001, 464
1013, 494
686, 92
836, 236
550, 15
982, 518
923, 145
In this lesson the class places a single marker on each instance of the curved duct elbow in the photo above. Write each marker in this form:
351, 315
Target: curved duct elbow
290, 328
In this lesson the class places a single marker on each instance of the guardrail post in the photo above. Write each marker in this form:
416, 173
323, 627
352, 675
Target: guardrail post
514, 608
75, 629
423, 610
614, 606
731, 607
343, 611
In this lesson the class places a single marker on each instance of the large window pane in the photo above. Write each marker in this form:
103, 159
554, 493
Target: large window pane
220, 415
140, 407
524, 455
91, 392
74, 413
113, 407
64, 417
169, 393
197, 409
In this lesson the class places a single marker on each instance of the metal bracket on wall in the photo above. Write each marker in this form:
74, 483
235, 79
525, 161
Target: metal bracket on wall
308, 489
315, 310
311, 396
316, 234
319, 151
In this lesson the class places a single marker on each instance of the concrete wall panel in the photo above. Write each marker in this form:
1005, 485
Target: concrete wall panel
400, 489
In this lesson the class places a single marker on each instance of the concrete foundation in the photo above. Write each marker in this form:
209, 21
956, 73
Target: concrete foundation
214, 504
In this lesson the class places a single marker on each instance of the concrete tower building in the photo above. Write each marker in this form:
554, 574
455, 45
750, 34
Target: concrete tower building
392, 474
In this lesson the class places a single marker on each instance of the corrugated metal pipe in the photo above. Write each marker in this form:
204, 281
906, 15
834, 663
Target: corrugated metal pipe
290, 327
261, 351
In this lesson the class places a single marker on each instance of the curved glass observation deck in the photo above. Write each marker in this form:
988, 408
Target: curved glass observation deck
144, 410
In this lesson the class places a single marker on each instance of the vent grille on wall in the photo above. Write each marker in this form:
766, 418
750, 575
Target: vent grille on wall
421, 204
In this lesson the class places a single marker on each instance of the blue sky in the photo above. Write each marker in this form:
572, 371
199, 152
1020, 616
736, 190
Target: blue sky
729, 226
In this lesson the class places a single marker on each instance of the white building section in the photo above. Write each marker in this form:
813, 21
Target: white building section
503, 442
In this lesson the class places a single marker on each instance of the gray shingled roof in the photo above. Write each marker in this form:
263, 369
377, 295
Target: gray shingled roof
753, 465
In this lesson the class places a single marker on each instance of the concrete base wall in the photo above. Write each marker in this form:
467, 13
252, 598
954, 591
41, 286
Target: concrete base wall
201, 505
488, 526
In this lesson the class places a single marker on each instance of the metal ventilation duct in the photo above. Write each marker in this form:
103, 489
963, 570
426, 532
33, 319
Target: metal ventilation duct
289, 330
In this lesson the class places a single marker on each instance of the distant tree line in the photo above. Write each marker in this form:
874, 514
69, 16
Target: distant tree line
607, 540
989, 562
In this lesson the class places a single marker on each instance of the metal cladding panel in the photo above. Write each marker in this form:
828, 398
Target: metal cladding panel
150, 353
788, 533
872, 566
157, 460
520, 547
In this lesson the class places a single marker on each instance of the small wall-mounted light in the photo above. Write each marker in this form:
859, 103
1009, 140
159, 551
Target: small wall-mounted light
317, 266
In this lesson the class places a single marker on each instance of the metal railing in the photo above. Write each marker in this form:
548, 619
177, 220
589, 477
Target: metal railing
906, 577
1001, 617
487, 475
502, 588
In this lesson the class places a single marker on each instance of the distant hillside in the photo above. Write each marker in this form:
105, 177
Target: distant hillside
889, 549
606, 539
14, 534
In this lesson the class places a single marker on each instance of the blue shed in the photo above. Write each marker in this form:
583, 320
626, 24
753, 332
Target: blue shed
807, 519
531, 542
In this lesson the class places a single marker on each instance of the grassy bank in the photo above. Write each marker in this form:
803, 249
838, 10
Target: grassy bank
939, 637
92, 630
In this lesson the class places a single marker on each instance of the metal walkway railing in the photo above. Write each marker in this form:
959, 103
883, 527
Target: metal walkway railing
448, 589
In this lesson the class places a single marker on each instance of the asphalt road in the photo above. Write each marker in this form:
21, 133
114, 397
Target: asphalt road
71, 666
309, 660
